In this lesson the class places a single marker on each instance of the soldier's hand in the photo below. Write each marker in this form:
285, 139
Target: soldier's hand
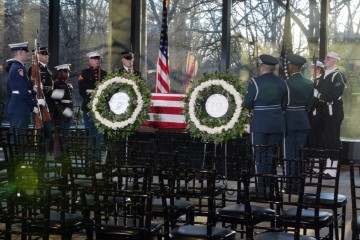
58, 94
36, 110
35, 88
68, 112
316, 93
41, 102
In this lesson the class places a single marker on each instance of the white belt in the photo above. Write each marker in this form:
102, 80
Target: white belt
15, 92
66, 101
89, 90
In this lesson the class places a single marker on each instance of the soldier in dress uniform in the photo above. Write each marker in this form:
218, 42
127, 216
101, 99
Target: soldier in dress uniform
127, 61
315, 121
300, 96
87, 81
63, 103
21, 100
47, 82
266, 97
330, 109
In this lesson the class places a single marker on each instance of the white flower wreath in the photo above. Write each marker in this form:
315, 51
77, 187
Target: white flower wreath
192, 106
120, 102
122, 124
225, 120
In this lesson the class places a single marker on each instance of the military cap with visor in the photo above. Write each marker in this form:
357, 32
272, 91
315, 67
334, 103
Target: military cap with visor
127, 55
268, 60
93, 55
296, 59
19, 46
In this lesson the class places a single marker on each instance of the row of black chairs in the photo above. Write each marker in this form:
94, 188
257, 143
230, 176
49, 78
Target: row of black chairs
110, 188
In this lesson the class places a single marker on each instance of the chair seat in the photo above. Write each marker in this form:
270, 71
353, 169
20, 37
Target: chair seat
179, 204
190, 232
237, 210
280, 236
308, 215
71, 219
201, 191
126, 233
327, 199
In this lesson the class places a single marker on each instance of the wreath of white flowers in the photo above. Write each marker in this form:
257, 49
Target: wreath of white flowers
200, 124
122, 124
130, 118
227, 87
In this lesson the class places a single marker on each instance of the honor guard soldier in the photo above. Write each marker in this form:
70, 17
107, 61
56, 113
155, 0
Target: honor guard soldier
87, 81
315, 122
63, 103
127, 61
266, 97
300, 96
47, 84
330, 109
21, 100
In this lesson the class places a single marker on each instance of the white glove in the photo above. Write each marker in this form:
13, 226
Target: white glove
316, 93
67, 112
35, 88
41, 102
58, 94
36, 110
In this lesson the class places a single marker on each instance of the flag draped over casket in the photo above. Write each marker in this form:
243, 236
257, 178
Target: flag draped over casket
167, 111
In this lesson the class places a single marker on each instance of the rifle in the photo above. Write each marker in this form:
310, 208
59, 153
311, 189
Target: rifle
286, 44
314, 60
43, 114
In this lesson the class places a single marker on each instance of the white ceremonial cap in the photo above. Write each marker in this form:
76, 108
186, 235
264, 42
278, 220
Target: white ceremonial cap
19, 46
63, 67
93, 54
318, 64
333, 55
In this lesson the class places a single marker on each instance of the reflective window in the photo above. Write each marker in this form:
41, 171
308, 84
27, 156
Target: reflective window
194, 37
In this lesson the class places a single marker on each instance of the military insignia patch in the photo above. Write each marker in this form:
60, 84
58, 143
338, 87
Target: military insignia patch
81, 78
21, 72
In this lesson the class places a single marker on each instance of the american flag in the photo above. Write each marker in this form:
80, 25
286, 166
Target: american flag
163, 70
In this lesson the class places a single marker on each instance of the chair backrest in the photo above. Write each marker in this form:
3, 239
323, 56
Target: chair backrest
33, 203
190, 184
355, 197
119, 213
25, 136
132, 152
332, 166
283, 190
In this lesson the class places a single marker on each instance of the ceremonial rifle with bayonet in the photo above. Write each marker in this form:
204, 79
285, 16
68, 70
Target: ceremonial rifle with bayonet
43, 114
314, 60
286, 48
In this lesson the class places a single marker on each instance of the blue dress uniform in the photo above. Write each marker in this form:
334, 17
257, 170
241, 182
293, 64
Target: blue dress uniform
267, 97
301, 91
330, 109
21, 101
87, 82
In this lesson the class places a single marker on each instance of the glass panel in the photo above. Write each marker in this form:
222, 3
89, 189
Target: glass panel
84, 27
344, 33
19, 22
194, 33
